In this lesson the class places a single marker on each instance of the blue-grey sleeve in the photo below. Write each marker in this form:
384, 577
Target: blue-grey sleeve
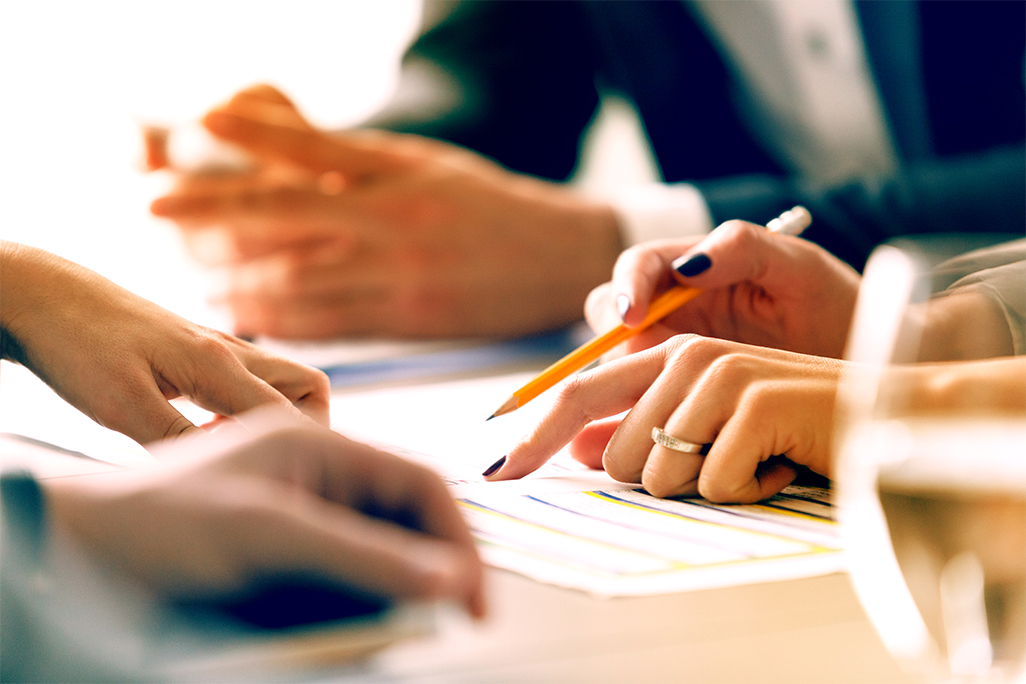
55, 615
978, 193
514, 81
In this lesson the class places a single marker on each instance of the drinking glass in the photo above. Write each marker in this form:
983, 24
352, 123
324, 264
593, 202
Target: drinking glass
932, 509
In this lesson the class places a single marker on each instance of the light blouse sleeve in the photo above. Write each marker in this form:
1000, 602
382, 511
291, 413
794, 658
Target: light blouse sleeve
1000, 273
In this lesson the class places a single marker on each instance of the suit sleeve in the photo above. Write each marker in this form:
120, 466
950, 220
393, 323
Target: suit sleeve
981, 193
514, 81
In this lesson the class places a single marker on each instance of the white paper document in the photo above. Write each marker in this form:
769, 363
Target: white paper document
619, 541
578, 528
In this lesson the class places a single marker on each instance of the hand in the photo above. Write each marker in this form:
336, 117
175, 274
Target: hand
369, 232
758, 288
119, 358
750, 403
298, 501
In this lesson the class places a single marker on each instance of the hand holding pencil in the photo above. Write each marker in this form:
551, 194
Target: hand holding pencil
757, 287
791, 222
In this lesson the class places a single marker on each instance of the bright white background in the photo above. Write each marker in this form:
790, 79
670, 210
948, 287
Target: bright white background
76, 77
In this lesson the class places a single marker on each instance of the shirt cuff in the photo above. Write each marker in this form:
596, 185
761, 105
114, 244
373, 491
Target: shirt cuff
657, 211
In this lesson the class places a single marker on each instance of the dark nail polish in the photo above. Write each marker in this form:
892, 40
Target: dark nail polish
623, 305
493, 468
692, 265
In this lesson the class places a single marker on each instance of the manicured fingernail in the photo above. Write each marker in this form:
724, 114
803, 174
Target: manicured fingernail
623, 305
494, 468
692, 265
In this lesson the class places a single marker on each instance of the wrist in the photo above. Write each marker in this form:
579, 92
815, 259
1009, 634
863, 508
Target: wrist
586, 227
21, 281
606, 233
11, 305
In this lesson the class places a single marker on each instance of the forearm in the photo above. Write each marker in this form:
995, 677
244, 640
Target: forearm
30, 282
994, 387
963, 327
10, 348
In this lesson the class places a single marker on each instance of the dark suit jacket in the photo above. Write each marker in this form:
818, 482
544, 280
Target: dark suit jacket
520, 81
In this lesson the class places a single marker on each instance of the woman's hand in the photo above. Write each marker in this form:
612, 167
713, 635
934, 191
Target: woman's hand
749, 403
119, 358
297, 501
758, 288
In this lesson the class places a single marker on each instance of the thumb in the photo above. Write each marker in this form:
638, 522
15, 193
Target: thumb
149, 419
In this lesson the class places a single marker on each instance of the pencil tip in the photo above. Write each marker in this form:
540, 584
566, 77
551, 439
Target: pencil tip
510, 405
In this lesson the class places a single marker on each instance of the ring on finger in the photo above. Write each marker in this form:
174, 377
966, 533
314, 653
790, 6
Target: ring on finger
662, 438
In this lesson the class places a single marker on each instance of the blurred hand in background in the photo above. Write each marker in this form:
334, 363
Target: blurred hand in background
377, 233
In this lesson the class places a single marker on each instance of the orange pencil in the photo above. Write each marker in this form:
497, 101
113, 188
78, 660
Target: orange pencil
791, 222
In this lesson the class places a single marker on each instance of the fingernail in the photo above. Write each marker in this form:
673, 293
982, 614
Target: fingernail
623, 305
493, 468
692, 265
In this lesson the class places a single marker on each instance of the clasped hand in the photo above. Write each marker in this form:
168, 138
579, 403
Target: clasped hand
377, 233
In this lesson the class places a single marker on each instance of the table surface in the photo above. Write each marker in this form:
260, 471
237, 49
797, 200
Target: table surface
807, 630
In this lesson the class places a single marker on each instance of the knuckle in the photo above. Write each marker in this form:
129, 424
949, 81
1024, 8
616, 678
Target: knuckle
677, 346
570, 394
689, 350
739, 233
572, 399
759, 402
212, 347
727, 369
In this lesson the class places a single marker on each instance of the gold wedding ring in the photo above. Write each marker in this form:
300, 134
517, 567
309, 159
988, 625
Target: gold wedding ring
662, 438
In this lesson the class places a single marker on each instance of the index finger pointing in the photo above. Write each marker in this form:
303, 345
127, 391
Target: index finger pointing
586, 397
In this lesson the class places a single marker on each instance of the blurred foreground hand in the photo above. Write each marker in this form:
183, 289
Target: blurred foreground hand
219, 515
